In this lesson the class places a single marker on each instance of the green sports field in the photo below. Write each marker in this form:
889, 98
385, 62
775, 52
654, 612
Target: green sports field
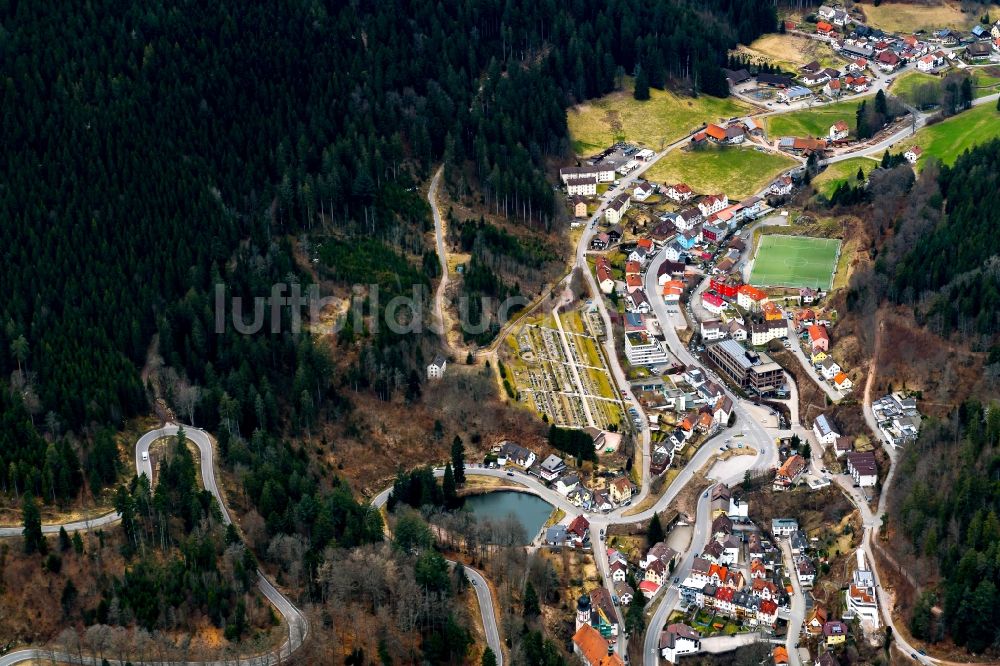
795, 261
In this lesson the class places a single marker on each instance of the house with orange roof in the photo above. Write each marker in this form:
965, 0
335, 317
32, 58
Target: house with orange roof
633, 282
672, 291
780, 655
632, 268
840, 129
824, 28
772, 312
815, 621
843, 382
593, 649
789, 472
751, 298
645, 243
819, 339
715, 133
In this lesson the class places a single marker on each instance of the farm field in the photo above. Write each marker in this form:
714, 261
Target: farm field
904, 17
790, 51
816, 121
835, 174
739, 172
657, 122
795, 261
949, 139
986, 80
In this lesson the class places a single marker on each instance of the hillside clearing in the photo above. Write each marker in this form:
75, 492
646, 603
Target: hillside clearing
900, 17
950, 138
657, 122
789, 51
835, 174
815, 121
739, 172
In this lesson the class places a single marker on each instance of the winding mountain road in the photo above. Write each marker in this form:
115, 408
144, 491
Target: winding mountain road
298, 627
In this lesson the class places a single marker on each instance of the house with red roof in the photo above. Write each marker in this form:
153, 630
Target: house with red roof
713, 302
824, 28
680, 192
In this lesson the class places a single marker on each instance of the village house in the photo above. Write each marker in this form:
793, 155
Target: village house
824, 28
514, 454
624, 592
621, 490
783, 526
678, 639
781, 187
913, 154
712, 203
688, 218
642, 191
617, 208
839, 131
825, 430
712, 329
794, 94
600, 241
829, 368
584, 187
712, 302
750, 298
805, 571
862, 467
833, 88
819, 340
604, 173
815, 620
555, 535
842, 382
436, 368
605, 280
887, 61
789, 472
579, 530
567, 483
552, 467
835, 632
860, 595
672, 291
679, 192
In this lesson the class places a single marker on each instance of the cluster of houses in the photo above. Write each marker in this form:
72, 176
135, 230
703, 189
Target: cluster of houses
736, 577
764, 320
889, 52
898, 418
816, 341
732, 133
554, 472
861, 465
680, 406
798, 543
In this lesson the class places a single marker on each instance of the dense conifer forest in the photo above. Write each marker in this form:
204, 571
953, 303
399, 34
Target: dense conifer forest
140, 150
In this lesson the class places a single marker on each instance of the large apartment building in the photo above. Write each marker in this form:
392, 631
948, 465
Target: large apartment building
752, 371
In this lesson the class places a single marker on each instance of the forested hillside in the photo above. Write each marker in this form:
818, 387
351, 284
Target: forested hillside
947, 503
140, 149
953, 272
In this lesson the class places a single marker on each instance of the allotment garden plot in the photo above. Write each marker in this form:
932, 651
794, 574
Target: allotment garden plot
542, 375
795, 261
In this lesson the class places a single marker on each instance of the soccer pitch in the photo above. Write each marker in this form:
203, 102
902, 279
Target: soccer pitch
795, 261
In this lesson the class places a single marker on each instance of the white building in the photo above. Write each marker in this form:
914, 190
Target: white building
436, 368
825, 430
860, 595
713, 203
678, 639
642, 349
584, 187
